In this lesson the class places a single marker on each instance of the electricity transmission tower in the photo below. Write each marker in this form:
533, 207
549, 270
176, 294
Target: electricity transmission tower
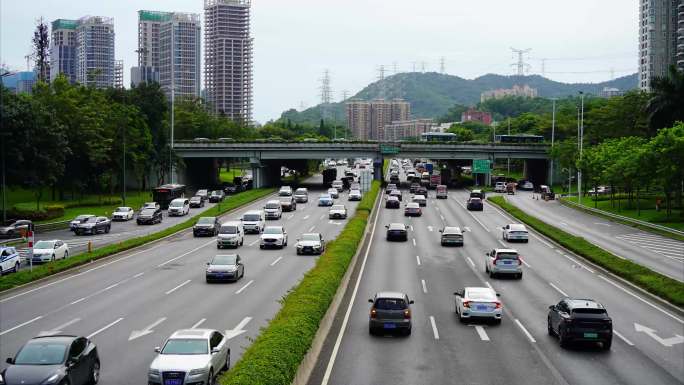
521, 64
326, 94
441, 65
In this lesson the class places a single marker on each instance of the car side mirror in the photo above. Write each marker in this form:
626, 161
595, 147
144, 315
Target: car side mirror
386, 226
504, 227
208, 263
157, 349
215, 350
10, 360
411, 302
498, 295
370, 300
552, 307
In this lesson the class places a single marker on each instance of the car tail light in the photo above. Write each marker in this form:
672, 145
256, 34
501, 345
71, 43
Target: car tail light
466, 304
373, 313
497, 304
407, 314
519, 261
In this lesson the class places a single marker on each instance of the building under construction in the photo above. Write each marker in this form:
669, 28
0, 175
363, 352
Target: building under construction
228, 58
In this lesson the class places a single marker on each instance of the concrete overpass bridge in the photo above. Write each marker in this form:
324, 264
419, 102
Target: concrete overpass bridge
267, 157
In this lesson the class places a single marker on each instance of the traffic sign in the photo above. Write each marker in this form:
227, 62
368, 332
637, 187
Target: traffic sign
388, 150
481, 166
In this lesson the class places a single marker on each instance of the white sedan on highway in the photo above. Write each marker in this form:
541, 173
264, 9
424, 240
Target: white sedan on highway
47, 251
478, 302
123, 214
515, 232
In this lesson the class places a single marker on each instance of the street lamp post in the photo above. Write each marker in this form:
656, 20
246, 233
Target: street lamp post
3, 135
580, 135
173, 94
553, 136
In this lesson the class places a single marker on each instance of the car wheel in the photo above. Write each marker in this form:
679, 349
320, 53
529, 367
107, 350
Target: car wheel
607, 344
407, 332
298, 253
53, 258
16, 267
66, 255
562, 339
519, 275
371, 331
94, 373
226, 366
211, 380
498, 321
549, 328
261, 247
242, 241
107, 229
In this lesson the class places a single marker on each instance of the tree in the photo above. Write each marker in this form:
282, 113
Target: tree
668, 150
41, 51
665, 106
463, 134
453, 114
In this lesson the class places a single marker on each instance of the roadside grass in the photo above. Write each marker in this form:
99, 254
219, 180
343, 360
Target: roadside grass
228, 176
664, 287
275, 355
648, 211
24, 276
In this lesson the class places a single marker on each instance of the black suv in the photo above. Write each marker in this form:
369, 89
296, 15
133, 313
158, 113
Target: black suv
93, 225
149, 216
580, 320
208, 226
216, 196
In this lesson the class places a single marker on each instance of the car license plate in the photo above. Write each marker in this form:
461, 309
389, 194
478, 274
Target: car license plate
507, 262
590, 335
481, 307
389, 326
173, 381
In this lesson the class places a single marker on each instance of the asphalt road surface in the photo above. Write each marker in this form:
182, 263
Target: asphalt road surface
664, 255
131, 303
648, 347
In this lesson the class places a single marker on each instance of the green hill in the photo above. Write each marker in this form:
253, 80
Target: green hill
431, 94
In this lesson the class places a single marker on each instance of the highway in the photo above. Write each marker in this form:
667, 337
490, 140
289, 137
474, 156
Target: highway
648, 347
131, 303
661, 254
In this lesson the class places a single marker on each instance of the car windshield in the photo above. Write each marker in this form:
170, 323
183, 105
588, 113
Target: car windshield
273, 230
325, 196
272, 205
123, 209
251, 217
185, 346
228, 230
332, 190
300, 192
44, 245
91, 220
201, 192
475, 200
42, 353
337, 207
286, 200
148, 211
176, 203
224, 260
310, 237
205, 221
396, 227
82, 217
481, 295
390, 304
216, 193
507, 255
195, 198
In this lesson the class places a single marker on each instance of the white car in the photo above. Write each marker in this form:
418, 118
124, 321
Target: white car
253, 221
123, 214
9, 260
420, 199
273, 209
192, 356
478, 302
515, 232
273, 236
285, 191
500, 187
337, 212
503, 261
46, 251
338, 185
231, 234
334, 194
179, 207
355, 195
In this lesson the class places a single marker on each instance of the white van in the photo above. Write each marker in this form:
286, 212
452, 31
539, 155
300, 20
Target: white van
179, 207
253, 221
273, 209
231, 234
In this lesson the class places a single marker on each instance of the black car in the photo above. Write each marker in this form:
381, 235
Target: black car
397, 232
196, 201
288, 203
149, 216
475, 204
216, 196
392, 202
422, 190
93, 225
232, 188
414, 187
574, 320
57, 359
206, 226
396, 193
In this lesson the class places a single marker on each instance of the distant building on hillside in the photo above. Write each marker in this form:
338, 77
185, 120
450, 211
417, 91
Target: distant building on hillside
403, 129
524, 91
473, 115
367, 120
609, 92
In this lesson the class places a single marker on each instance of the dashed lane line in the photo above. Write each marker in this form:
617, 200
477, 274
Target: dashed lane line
628, 342
481, 332
20, 325
422, 282
93, 334
529, 336
418, 259
244, 287
558, 289
198, 323
435, 332
178, 287
276, 261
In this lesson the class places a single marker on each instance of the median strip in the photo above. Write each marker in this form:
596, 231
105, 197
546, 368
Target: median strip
23, 277
664, 287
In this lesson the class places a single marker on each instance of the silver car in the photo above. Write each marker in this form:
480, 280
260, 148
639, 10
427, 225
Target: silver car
191, 356
273, 236
310, 243
478, 302
515, 232
503, 261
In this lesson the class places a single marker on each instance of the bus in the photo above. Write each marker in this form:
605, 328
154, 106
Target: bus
523, 138
438, 137
164, 194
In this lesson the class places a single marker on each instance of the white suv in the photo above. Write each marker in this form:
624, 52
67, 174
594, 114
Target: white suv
273, 209
231, 234
503, 261
253, 221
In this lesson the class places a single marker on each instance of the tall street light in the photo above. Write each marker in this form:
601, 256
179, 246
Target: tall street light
3, 135
581, 139
173, 102
553, 135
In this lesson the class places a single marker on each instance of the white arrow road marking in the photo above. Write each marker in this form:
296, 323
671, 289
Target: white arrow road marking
59, 328
669, 342
430, 228
96, 332
434, 327
239, 329
244, 287
148, 330
482, 333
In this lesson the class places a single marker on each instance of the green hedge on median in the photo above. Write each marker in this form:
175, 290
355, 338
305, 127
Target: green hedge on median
274, 357
24, 276
665, 287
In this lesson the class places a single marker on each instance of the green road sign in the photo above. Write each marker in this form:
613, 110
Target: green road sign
481, 166
388, 150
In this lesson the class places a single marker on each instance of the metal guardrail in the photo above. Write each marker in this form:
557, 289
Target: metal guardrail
45, 227
626, 219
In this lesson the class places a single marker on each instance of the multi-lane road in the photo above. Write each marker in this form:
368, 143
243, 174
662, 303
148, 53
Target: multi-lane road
648, 347
129, 304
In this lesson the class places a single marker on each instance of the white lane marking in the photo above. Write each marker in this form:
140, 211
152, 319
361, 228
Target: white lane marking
276, 261
482, 333
418, 259
422, 282
470, 261
289, 217
59, 328
442, 217
138, 275
558, 289
305, 217
489, 285
542, 241
312, 228
467, 228
435, 332
430, 228
564, 224
239, 329
78, 300
186, 253
668, 342
96, 332
525, 263
148, 330
649, 303
244, 287
198, 323
578, 263
254, 243
322, 216
411, 227
474, 217
502, 243
602, 224
414, 241
529, 336
178, 287
628, 342
338, 341
20, 325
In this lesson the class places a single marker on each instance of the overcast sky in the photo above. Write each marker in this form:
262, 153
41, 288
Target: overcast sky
296, 40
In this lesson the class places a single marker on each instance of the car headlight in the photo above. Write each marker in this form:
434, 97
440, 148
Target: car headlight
153, 372
196, 372
52, 379
210, 271
2, 380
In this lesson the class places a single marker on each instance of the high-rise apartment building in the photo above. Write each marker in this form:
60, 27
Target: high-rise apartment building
367, 120
228, 58
118, 74
661, 38
169, 47
63, 49
95, 51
